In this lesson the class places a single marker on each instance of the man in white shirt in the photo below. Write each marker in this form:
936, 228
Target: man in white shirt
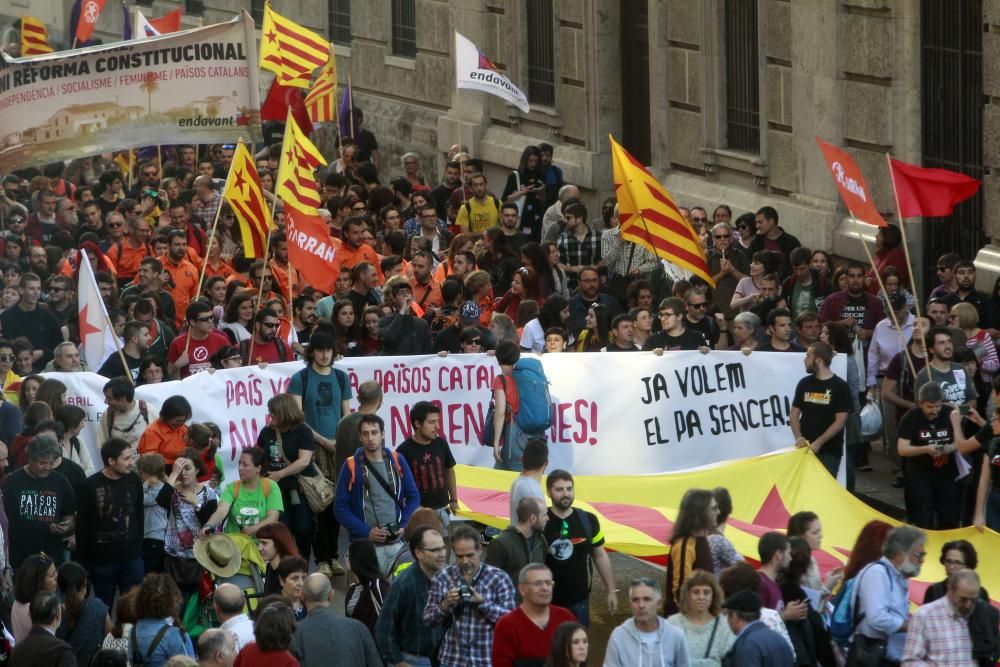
229, 608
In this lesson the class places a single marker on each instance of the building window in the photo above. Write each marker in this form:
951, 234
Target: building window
404, 28
742, 77
193, 7
257, 11
339, 25
541, 53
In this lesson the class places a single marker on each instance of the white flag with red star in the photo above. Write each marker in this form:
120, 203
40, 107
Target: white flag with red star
97, 338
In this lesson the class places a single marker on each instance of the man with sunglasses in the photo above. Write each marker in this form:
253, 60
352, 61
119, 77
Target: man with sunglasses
574, 537
675, 335
192, 351
728, 265
8, 378
266, 346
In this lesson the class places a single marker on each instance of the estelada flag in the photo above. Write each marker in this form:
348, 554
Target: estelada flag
90, 10
246, 197
282, 99
311, 250
34, 37
296, 182
97, 338
322, 99
851, 184
650, 217
289, 50
930, 193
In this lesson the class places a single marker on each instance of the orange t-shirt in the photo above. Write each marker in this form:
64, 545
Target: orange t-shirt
126, 258
428, 296
223, 269
505, 382
164, 440
351, 257
184, 275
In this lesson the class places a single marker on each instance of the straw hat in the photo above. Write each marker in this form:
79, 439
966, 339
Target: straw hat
218, 554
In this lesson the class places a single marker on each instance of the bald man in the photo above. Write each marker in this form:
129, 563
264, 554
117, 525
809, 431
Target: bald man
216, 648
229, 603
324, 639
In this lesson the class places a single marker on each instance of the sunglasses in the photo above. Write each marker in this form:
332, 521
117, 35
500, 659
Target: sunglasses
699, 219
699, 306
269, 325
116, 225
478, 341
207, 318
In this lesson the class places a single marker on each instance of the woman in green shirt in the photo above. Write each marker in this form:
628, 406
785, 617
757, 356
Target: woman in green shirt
250, 502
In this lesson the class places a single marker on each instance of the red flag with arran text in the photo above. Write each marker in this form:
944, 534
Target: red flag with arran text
931, 193
851, 184
311, 250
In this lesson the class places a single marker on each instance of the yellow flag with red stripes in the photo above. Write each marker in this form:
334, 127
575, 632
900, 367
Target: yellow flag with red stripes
296, 183
245, 195
650, 217
290, 51
322, 99
34, 37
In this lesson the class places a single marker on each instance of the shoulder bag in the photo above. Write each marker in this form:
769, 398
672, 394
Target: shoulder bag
317, 489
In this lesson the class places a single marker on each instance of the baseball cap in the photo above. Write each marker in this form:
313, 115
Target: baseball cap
469, 312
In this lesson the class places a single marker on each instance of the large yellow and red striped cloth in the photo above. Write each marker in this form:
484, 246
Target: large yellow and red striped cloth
637, 512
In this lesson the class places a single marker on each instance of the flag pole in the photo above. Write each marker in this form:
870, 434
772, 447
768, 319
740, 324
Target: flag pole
260, 288
131, 156
885, 292
114, 336
336, 111
909, 264
159, 159
350, 107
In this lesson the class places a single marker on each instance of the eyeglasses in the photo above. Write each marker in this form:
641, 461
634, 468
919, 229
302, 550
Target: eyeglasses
699, 306
667, 313
702, 220
947, 561
236, 358
56, 290
207, 318
722, 236
7, 357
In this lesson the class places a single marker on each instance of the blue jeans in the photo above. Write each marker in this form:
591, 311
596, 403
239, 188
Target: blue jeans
582, 611
416, 660
831, 462
123, 576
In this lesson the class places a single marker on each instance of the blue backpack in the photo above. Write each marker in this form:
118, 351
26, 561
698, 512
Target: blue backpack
534, 413
844, 619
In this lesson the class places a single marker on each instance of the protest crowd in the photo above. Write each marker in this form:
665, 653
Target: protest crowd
152, 555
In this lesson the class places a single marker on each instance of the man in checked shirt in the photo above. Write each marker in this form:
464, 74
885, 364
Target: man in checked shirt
469, 598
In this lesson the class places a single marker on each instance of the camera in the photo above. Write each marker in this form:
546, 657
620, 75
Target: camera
392, 529
464, 591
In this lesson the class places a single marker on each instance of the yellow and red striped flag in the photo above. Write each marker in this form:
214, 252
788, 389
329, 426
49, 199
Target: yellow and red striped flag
650, 217
289, 50
322, 99
296, 183
246, 197
34, 37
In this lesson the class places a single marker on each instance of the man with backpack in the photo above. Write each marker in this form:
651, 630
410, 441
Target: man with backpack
324, 394
881, 602
481, 211
376, 493
126, 417
521, 404
575, 537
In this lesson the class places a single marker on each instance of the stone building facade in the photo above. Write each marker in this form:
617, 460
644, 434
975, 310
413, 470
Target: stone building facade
723, 98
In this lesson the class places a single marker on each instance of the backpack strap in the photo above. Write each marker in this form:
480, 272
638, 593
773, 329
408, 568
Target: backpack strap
237, 485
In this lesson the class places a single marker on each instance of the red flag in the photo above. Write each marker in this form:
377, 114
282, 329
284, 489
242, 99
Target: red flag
311, 250
282, 98
930, 193
89, 11
168, 22
851, 184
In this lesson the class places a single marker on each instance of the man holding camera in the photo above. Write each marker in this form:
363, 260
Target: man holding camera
376, 493
469, 598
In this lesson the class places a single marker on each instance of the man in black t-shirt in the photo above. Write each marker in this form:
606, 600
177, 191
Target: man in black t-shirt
574, 537
819, 408
431, 461
40, 504
674, 335
110, 523
927, 441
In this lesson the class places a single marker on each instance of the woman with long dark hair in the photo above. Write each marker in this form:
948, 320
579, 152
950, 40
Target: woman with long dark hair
597, 330
86, 619
524, 285
525, 187
237, 321
689, 548
554, 313
570, 646
275, 543
37, 573
364, 599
